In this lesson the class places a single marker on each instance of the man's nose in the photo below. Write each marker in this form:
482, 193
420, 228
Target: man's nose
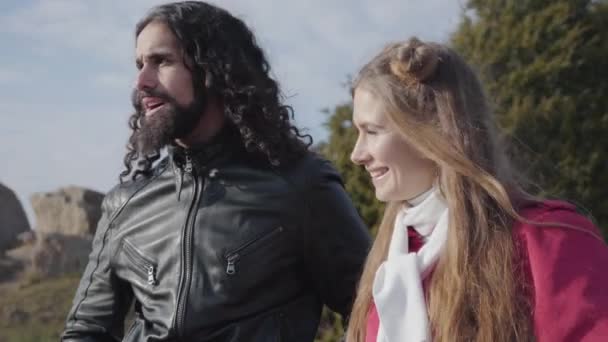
145, 79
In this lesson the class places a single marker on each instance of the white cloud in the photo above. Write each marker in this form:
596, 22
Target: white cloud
114, 81
97, 28
10, 76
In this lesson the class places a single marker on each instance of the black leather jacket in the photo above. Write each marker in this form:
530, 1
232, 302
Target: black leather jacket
215, 246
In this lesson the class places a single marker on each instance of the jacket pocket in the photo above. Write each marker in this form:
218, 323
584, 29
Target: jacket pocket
142, 265
232, 257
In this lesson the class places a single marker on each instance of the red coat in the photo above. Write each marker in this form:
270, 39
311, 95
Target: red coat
568, 272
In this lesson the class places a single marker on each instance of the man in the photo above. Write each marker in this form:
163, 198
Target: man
239, 233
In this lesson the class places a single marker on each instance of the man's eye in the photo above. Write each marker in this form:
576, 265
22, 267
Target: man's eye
160, 61
371, 132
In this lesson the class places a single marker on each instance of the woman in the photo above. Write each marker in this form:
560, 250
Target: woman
462, 252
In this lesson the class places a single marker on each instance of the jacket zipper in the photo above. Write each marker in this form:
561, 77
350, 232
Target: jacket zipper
143, 264
187, 168
186, 251
233, 256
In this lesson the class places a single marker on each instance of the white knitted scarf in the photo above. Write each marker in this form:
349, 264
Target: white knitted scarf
397, 289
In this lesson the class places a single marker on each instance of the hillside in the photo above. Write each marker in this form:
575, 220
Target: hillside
36, 312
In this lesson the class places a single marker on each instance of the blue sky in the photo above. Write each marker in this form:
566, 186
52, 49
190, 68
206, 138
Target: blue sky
66, 70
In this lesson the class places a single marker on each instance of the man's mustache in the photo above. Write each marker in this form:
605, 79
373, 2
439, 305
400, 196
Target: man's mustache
138, 95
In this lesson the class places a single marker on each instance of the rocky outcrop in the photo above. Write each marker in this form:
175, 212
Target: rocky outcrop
13, 220
57, 254
61, 243
70, 211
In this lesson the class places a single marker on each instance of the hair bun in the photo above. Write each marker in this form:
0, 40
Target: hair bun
414, 61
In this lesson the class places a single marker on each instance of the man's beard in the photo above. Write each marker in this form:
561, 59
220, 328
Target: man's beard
166, 124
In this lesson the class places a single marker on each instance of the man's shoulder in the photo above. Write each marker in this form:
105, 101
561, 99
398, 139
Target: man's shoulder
120, 194
310, 169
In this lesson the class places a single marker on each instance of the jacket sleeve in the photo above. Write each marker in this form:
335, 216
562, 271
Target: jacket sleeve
101, 300
336, 241
570, 282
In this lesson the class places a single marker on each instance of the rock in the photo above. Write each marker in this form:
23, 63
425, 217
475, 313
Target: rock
27, 238
13, 220
70, 211
15, 261
58, 254
22, 254
10, 268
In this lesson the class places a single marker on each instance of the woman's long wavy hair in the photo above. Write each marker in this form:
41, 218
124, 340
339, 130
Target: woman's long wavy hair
226, 60
436, 102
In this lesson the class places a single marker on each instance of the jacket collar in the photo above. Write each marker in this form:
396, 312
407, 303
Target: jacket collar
221, 147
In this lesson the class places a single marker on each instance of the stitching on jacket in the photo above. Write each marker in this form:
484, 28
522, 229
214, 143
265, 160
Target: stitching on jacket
108, 227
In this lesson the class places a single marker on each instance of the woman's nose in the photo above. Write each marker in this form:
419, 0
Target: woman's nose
359, 156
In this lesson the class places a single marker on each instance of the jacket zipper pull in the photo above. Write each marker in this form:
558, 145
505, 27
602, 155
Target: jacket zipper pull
151, 275
231, 267
188, 167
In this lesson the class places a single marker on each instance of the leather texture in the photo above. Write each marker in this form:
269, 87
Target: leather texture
217, 246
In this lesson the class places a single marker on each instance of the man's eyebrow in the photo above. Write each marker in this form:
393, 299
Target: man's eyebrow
155, 55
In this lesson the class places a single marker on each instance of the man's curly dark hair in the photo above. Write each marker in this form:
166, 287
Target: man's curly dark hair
226, 59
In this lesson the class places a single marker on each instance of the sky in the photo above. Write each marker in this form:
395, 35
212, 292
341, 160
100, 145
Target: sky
67, 68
